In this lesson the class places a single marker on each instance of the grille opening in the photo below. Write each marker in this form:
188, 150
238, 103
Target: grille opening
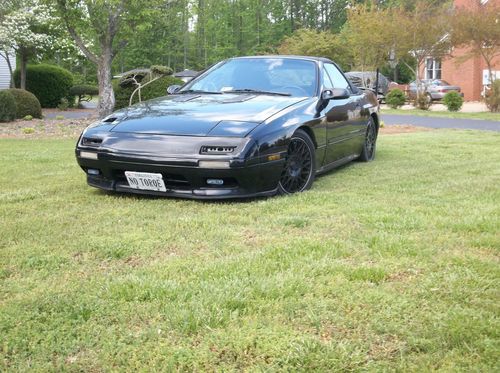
217, 149
89, 141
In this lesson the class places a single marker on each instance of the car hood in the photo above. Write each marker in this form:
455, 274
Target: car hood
200, 115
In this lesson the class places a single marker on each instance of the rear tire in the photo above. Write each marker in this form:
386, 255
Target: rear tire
300, 166
370, 144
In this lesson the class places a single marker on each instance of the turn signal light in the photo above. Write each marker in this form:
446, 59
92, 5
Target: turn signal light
273, 157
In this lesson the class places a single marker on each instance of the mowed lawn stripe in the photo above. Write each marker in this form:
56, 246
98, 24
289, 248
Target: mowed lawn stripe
386, 265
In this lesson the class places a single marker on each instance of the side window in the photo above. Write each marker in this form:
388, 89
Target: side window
337, 78
327, 82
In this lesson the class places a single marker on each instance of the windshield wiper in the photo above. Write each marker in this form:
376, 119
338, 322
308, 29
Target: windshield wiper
256, 91
198, 91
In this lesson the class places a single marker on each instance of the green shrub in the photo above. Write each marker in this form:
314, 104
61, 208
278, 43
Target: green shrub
64, 104
492, 98
395, 98
422, 102
59, 117
48, 83
27, 103
453, 101
84, 92
7, 107
28, 130
158, 88
161, 70
28, 117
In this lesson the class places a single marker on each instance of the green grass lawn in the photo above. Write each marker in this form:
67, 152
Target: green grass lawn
445, 114
389, 265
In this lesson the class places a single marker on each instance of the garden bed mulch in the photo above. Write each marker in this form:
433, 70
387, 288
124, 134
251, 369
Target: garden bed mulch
44, 128
402, 128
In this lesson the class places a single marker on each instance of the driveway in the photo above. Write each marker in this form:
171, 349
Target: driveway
439, 122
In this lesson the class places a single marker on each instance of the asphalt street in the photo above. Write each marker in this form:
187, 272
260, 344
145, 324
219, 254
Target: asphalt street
440, 122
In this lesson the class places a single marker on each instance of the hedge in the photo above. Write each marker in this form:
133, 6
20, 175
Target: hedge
48, 83
158, 88
7, 106
27, 103
83, 92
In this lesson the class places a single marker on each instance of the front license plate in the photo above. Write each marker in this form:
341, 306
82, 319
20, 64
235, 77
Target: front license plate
145, 181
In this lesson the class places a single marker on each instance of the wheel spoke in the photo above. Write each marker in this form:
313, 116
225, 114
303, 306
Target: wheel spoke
298, 166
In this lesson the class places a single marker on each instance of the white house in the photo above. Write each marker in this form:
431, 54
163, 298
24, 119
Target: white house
4, 70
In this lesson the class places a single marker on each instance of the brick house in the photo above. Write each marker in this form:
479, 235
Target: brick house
470, 75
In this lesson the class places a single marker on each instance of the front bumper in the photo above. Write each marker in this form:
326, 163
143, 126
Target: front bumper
183, 177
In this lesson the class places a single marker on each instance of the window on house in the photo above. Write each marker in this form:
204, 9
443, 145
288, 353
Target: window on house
432, 68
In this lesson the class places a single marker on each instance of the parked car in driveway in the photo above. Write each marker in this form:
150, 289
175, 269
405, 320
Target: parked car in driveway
248, 126
435, 89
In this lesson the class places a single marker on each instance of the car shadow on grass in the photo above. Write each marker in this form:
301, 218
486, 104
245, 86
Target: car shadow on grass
152, 197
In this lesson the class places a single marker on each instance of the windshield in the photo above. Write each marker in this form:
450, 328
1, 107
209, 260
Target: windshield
264, 75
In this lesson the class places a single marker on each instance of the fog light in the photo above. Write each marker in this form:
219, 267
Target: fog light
88, 155
213, 164
215, 181
93, 171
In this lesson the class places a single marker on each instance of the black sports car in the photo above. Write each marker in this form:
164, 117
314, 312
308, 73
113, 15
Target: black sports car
248, 126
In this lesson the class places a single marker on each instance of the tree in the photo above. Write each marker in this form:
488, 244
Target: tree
369, 34
29, 30
316, 43
424, 31
478, 30
100, 29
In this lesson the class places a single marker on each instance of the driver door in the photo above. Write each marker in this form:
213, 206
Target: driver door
340, 114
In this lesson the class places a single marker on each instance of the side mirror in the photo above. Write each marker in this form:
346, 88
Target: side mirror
173, 89
331, 94
340, 93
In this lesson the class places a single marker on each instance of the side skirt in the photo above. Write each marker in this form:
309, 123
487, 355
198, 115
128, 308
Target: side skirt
337, 163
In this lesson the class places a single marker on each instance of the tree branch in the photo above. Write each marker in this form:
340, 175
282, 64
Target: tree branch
72, 31
78, 40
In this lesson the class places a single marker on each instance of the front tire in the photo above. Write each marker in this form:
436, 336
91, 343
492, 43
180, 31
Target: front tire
370, 144
300, 166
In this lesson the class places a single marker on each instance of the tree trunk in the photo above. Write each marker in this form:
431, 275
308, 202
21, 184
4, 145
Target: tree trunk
24, 62
106, 93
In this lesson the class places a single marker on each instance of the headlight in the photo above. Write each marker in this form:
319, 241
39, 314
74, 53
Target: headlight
210, 149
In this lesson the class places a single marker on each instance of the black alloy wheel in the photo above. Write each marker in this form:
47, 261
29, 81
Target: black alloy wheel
368, 152
300, 166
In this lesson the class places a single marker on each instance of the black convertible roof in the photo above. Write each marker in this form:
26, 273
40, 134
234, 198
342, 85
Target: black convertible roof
310, 58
